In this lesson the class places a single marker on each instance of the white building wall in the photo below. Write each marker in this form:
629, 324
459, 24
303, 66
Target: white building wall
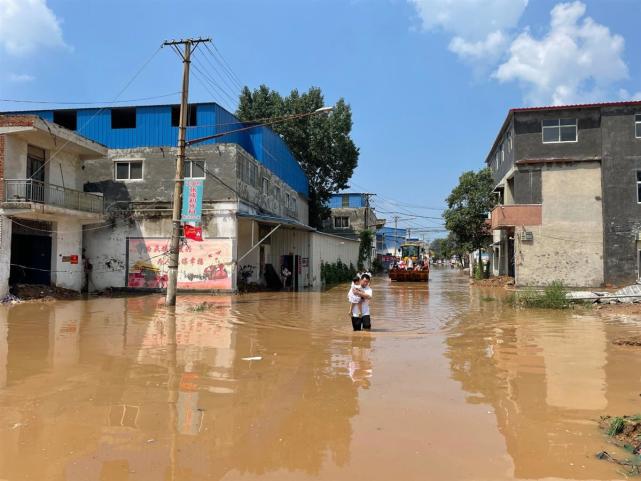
66, 241
5, 254
329, 248
292, 242
106, 248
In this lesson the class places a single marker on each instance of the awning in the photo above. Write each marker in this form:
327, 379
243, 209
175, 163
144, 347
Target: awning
275, 220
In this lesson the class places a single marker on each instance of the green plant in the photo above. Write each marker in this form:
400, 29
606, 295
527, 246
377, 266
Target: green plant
337, 272
616, 426
488, 299
365, 248
553, 296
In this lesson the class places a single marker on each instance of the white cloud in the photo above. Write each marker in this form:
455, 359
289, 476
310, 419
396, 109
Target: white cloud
488, 50
472, 20
578, 60
625, 94
480, 29
27, 26
20, 77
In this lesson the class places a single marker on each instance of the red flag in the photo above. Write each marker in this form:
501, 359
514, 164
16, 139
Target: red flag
193, 232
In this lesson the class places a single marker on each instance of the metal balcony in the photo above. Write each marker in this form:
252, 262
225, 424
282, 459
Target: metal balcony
29, 190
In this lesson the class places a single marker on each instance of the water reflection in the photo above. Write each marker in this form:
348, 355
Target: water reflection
546, 376
123, 389
449, 385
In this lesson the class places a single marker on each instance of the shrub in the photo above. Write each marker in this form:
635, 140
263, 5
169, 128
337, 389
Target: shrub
553, 296
334, 273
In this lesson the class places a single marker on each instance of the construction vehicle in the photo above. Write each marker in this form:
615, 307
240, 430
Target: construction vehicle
414, 266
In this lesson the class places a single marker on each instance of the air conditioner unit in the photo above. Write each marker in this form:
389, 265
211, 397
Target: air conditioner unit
527, 236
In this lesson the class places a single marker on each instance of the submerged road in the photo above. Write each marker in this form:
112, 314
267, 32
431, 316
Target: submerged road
451, 385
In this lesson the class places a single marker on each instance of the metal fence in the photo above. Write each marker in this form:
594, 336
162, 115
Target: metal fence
29, 190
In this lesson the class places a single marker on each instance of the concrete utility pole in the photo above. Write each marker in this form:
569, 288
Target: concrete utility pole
189, 45
396, 235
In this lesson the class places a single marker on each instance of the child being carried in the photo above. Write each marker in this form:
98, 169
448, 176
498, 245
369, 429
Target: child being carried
353, 298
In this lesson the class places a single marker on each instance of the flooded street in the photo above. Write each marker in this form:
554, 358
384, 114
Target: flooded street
274, 386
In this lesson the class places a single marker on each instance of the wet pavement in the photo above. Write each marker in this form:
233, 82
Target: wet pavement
450, 385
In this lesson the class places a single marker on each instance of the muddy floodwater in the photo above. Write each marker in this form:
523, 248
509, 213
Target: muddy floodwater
451, 385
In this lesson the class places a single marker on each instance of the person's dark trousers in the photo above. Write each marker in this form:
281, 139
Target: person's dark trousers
360, 323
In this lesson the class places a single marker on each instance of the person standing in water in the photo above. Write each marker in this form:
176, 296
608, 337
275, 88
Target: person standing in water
360, 312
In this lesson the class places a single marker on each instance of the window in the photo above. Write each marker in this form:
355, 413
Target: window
191, 115
509, 141
637, 126
341, 222
248, 171
128, 170
277, 192
265, 186
287, 200
639, 186
502, 153
123, 118
293, 207
66, 118
194, 169
559, 130
345, 200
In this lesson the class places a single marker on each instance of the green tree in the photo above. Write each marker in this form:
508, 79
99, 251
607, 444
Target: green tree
321, 143
365, 248
468, 205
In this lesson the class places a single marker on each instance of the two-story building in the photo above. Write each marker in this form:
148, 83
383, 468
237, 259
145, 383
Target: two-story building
42, 204
568, 181
255, 198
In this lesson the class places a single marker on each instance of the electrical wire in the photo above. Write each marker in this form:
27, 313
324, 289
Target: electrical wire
226, 64
129, 82
102, 102
199, 67
225, 79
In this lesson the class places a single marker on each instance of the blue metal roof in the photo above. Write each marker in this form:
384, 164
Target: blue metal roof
153, 129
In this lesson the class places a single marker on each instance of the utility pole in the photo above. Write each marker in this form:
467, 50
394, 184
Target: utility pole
189, 45
396, 244
369, 254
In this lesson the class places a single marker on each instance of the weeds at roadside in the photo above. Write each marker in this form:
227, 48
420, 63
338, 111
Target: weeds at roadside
553, 296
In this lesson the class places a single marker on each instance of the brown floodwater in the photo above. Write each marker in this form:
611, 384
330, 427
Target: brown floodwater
450, 385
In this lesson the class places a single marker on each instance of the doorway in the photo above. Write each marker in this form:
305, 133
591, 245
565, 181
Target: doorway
31, 248
292, 262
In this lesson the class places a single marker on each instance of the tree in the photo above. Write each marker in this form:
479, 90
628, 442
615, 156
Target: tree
321, 143
365, 249
468, 205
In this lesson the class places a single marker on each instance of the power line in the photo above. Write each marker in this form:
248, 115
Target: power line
102, 102
226, 64
226, 79
129, 82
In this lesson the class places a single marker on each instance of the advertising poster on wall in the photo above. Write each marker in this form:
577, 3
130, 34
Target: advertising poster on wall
203, 265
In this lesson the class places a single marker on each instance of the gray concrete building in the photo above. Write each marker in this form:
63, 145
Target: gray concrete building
254, 203
568, 181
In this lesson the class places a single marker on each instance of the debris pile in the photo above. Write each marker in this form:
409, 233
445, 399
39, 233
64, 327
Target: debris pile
27, 292
624, 432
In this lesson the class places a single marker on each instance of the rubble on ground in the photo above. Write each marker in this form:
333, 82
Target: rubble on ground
497, 281
28, 292
626, 295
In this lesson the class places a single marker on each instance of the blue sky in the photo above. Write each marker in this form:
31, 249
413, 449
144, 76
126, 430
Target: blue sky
429, 81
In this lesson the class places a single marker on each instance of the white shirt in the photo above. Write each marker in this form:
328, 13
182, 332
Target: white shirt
353, 298
364, 307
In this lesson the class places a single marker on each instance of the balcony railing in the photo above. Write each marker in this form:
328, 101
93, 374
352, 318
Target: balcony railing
506, 216
29, 190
